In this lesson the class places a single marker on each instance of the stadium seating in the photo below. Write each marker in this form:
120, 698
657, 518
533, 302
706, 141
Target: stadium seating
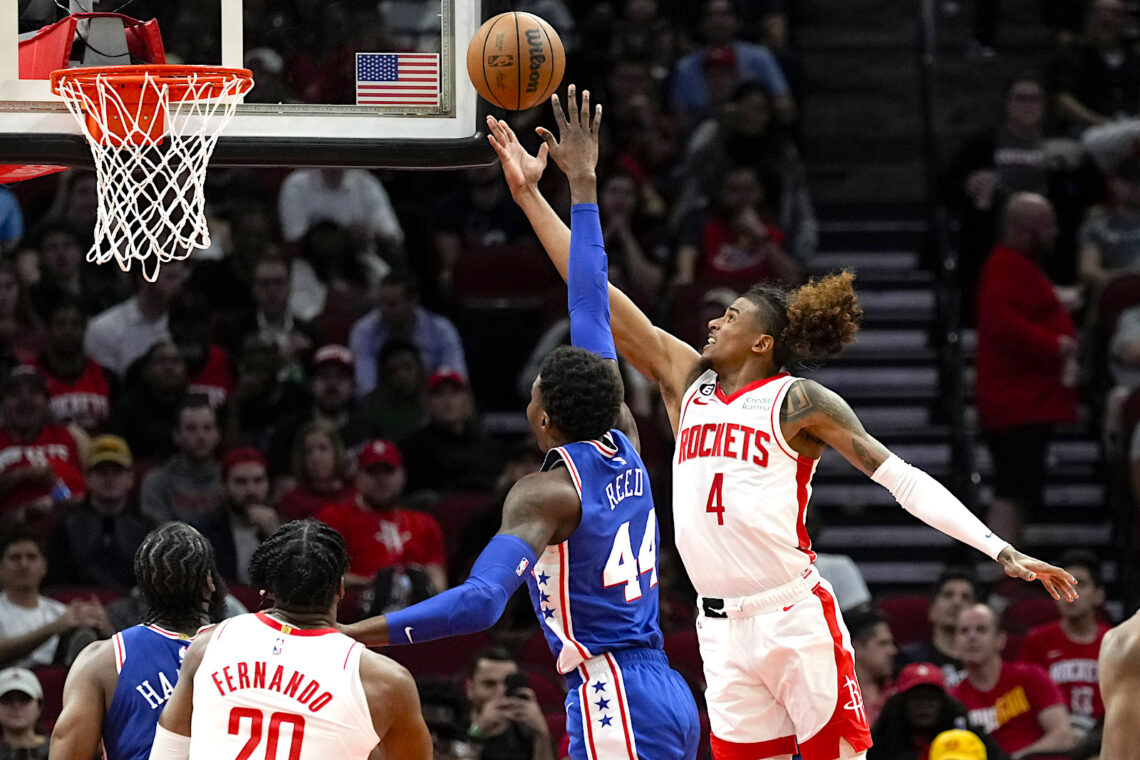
907, 615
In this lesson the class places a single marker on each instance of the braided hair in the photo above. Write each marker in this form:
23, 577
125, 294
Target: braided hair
580, 393
301, 566
172, 565
810, 323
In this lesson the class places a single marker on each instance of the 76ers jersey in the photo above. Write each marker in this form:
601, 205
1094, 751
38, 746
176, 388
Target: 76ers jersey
264, 684
596, 591
147, 659
740, 492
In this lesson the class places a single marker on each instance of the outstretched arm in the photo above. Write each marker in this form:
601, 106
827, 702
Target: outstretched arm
820, 415
655, 353
576, 153
540, 509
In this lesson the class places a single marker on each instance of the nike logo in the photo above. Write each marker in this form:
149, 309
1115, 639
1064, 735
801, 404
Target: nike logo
793, 604
700, 401
408, 633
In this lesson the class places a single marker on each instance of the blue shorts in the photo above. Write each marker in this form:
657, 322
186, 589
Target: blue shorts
630, 704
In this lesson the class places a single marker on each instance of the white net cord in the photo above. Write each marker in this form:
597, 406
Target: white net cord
151, 183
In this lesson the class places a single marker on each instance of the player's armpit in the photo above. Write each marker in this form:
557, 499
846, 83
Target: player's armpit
811, 409
79, 729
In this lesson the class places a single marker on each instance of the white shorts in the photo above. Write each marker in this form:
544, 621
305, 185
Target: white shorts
781, 674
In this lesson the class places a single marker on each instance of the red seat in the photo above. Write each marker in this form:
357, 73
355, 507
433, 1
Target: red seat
1026, 614
547, 689
447, 658
556, 722
511, 273
908, 616
535, 652
69, 594
684, 652
51, 679
1120, 293
455, 512
249, 597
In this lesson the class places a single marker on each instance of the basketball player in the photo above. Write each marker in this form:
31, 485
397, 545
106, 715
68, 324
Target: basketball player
286, 676
777, 657
116, 689
1120, 689
583, 532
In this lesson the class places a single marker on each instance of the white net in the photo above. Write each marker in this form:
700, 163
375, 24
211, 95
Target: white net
151, 136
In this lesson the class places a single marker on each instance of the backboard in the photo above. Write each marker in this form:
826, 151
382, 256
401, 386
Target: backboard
324, 93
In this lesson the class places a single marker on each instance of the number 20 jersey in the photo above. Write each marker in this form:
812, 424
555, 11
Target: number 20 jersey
267, 689
740, 492
596, 591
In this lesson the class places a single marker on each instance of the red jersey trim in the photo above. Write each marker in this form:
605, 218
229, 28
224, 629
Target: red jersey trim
803, 480
585, 698
290, 630
725, 398
723, 749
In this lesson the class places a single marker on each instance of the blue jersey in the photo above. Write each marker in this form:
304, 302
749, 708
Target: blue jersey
596, 592
147, 658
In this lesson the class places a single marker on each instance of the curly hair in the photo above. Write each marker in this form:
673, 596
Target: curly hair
300, 566
812, 322
171, 565
580, 393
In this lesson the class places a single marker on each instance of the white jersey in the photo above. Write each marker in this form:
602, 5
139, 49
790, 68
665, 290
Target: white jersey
265, 689
740, 492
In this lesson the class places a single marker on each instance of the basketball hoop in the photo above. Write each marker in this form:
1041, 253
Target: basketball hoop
152, 130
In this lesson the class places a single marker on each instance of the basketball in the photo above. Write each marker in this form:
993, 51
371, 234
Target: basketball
516, 60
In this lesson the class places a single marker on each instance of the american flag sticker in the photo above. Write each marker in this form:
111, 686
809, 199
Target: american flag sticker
397, 79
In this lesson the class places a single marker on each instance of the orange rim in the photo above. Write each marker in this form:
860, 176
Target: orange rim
177, 78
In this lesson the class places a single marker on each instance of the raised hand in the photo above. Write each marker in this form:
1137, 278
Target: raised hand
521, 170
1056, 581
576, 149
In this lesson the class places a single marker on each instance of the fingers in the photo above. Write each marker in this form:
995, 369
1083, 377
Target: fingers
597, 119
572, 105
584, 115
559, 115
543, 150
548, 140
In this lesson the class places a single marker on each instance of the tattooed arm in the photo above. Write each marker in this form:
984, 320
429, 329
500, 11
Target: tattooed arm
813, 417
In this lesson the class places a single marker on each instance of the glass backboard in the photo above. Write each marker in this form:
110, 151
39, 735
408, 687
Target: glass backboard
376, 83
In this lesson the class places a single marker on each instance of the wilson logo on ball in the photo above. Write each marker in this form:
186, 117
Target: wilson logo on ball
537, 58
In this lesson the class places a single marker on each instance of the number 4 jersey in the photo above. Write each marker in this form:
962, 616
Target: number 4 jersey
596, 592
267, 689
740, 492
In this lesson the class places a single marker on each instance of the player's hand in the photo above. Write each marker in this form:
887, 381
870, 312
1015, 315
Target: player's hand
524, 709
495, 717
1056, 581
521, 170
576, 149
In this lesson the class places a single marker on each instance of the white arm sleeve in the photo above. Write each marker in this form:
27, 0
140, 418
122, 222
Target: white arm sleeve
169, 745
929, 501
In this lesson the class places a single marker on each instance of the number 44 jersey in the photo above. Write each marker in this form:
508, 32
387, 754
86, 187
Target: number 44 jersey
264, 685
740, 492
596, 592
